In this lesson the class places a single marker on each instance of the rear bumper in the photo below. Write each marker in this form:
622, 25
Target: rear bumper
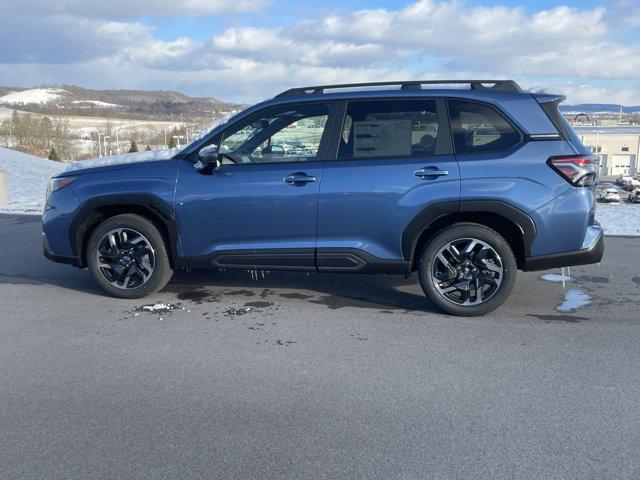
591, 252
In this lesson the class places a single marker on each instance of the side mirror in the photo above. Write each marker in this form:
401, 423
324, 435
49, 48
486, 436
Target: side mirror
273, 151
208, 158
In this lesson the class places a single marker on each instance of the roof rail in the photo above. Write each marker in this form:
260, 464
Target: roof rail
494, 85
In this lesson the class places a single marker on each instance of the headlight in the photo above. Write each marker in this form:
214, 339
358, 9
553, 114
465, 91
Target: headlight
57, 183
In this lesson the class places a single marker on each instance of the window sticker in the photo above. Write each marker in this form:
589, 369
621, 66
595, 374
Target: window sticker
382, 138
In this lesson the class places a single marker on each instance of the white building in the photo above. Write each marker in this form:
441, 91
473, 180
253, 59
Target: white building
618, 148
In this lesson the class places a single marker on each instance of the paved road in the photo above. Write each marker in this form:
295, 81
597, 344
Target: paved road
324, 377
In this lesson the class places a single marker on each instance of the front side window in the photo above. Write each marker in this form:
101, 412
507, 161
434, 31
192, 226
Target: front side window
379, 129
279, 134
479, 128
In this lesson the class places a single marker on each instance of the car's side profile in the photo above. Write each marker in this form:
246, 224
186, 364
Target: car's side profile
465, 186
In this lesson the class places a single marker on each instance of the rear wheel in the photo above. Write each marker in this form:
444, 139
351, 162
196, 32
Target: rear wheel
127, 257
467, 269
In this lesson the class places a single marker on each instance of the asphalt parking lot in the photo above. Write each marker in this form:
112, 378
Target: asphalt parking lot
295, 376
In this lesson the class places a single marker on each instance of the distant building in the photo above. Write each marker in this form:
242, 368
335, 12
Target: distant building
617, 148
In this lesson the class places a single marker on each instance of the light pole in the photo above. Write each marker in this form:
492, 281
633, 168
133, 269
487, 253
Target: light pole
598, 156
99, 146
178, 137
105, 138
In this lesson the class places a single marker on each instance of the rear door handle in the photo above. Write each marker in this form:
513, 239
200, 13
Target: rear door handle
430, 173
299, 179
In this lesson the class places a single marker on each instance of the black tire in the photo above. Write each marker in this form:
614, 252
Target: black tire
162, 271
455, 233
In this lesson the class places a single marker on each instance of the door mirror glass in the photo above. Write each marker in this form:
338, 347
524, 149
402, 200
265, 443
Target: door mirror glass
272, 150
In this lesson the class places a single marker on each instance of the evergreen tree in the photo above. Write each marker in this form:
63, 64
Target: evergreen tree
173, 143
148, 149
53, 155
134, 147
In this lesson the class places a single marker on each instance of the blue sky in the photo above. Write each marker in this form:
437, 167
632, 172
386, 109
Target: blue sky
246, 50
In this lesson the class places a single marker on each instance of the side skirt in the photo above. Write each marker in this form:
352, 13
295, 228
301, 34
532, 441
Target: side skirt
337, 260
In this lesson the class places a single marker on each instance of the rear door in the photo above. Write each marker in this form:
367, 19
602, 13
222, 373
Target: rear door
391, 163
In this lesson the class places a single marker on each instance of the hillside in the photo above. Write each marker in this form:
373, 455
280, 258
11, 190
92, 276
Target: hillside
599, 108
134, 104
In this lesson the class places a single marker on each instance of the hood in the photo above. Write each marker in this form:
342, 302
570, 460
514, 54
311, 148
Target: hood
117, 162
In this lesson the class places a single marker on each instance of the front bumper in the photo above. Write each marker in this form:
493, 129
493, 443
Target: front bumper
591, 252
48, 253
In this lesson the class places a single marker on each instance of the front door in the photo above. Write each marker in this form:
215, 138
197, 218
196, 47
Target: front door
259, 209
394, 166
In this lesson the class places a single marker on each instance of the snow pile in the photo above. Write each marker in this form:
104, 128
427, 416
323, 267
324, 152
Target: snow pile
552, 277
27, 178
33, 95
619, 219
146, 156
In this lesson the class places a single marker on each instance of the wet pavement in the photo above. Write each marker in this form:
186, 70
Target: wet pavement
294, 375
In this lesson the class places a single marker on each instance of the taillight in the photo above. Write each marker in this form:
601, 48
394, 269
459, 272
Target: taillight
579, 171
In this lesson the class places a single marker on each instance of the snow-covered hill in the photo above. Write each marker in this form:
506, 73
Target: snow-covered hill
31, 96
71, 100
27, 180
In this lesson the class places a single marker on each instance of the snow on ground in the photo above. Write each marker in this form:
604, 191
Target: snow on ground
552, 277
27, 180
574, 299
5, 112
97, 103
33, 95
619, 219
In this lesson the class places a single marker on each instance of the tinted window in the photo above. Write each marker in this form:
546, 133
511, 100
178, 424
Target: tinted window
478, 128
280, 134
402, 128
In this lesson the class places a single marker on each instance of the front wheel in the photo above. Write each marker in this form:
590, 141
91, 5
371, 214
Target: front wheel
467, 269
127, 257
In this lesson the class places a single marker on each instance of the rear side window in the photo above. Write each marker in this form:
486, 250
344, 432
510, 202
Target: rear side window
386, 129
479, 128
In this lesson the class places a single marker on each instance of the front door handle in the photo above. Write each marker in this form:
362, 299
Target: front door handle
299, 179
430, 173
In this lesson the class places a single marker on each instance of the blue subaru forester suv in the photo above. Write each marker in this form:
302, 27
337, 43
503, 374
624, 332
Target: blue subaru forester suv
463, 185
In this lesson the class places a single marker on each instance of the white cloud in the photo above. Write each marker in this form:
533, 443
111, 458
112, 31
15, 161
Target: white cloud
580, 92
569, 48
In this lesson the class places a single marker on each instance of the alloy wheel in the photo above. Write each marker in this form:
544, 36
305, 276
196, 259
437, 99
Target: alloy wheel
467, 271
126, 258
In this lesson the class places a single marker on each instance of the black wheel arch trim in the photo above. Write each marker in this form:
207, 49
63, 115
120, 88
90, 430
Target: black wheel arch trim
87, 216
433, 212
